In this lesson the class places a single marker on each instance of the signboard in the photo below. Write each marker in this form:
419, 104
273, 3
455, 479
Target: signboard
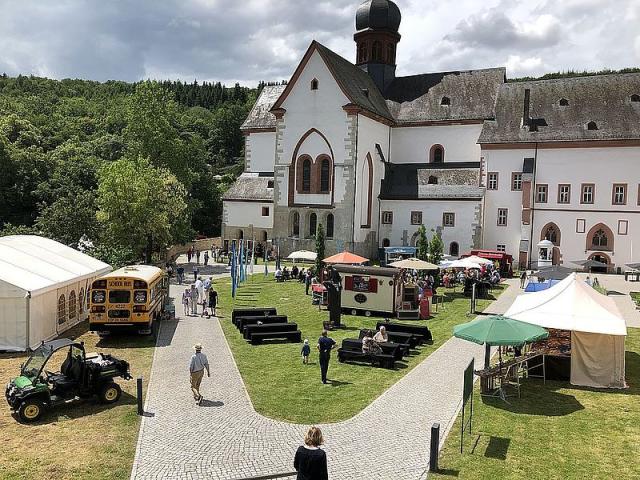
467, 397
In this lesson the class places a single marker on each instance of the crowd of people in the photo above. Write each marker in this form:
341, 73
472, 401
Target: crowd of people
200, 294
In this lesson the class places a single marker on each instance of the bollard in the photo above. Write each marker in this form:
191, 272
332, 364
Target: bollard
435, 447
139, 392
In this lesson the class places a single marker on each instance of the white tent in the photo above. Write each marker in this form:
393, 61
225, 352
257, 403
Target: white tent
479, 260
597, 329
303, 255
463, 263
43, 289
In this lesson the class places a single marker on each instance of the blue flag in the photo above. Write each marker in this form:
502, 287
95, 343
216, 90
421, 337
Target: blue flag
266, 268
241, 263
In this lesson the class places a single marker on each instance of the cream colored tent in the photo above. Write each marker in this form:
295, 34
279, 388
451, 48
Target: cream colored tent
43, 289
597, 329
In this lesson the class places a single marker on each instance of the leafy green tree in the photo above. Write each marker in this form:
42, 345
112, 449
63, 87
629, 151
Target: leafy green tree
436, 249
139, 204
320, 248
422, 243
115, 255
70, 218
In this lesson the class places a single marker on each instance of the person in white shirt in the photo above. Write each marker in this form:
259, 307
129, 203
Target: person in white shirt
197, 366
381, 336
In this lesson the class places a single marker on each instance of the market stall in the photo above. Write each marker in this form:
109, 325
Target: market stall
597, 329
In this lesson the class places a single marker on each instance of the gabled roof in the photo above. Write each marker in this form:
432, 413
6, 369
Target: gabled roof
260, 115
355, 83
603, 99
251, 187
38, 264
471, 93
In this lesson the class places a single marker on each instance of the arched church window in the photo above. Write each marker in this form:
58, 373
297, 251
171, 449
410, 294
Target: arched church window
599, 238
592, 126
551, 234
437, 154
295, 225
377, 51
433, 180
325, 174
386, 243
391, 53
362, 53
313, 224
330, 225
445, 101
306, 175
314, 84
454, 249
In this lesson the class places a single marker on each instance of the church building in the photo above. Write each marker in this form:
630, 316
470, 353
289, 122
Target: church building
478, 160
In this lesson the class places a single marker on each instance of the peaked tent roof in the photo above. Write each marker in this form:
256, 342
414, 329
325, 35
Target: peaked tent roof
570, 305
346, 258
355, 83
38, 264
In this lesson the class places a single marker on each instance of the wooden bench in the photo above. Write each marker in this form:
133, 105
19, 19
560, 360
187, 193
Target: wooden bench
404, 328
268, 327
293, 336
251, 312
388, 348
383, 360
242, 322
407, 339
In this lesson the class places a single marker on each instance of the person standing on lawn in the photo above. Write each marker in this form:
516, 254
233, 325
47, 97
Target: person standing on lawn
197, 366
310, 460
325, 345
306, 350
213, 300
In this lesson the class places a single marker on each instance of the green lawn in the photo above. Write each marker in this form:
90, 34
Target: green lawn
282, 388
553, 432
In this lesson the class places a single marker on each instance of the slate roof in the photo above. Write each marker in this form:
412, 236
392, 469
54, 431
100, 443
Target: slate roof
355, 82
472, 95
603, 99
250, 187
406, 181
378, 14
260, 115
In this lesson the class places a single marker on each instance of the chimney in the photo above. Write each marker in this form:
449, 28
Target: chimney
526, 117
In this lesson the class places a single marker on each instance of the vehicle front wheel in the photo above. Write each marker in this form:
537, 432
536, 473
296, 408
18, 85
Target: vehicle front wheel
31, 410
110, 393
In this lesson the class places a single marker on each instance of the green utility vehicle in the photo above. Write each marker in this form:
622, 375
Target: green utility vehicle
37, 389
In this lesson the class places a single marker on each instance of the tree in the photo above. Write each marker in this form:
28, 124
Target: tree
70, 218
139, 204
436, 249
320, 248
422, 243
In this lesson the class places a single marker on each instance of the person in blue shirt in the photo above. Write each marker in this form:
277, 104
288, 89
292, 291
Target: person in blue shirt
306, 350
325, 345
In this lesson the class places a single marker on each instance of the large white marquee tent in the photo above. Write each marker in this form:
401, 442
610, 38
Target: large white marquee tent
43, 289
597, 328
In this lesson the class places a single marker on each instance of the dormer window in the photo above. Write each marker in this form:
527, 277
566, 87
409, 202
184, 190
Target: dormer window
314, 84
592, 126
635, 97
446, 101
270, 184
433, 180
564, 102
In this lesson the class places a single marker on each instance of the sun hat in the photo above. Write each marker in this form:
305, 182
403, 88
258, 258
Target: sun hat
198, 346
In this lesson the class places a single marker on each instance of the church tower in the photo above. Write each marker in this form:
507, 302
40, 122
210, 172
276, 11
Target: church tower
377, 37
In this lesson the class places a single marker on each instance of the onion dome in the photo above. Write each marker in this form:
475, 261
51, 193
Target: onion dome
378, 15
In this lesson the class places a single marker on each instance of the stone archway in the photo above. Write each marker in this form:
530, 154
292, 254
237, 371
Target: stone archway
601, 257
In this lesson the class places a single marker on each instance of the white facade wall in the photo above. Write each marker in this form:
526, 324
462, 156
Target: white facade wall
260, 152
602, 167
320, 109
413, 144
401, 231
370, 133
244, 214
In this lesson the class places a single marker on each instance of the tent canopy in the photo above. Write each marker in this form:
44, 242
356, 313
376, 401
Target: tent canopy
499, 330
570, 305
37, 264
303, 255
414, 264
556, 272
479, 260
463, 263
346, 258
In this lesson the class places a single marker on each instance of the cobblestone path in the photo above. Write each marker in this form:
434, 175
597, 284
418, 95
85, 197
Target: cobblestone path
226, 439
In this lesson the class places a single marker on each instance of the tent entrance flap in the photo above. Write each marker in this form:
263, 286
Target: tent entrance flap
597, 360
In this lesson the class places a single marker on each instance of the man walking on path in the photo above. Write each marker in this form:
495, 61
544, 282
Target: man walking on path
523, 278
197, 366
180, 272
325, 344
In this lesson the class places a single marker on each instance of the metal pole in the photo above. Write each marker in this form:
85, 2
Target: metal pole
139, 394
435, 447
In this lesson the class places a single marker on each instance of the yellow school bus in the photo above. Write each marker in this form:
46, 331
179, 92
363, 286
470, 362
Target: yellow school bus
131, 298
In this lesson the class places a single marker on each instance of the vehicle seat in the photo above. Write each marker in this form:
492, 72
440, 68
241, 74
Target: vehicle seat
71, 372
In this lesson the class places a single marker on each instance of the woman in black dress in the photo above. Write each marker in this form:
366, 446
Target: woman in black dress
310, 461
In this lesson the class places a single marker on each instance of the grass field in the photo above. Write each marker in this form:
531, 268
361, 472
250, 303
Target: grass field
85, 440
282, 388
555, 431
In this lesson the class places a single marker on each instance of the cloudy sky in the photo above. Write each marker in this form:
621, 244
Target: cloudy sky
252, 40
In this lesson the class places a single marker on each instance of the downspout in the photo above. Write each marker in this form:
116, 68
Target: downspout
533, 203
27, 301
355, 177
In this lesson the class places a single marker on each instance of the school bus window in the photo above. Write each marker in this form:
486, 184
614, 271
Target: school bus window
97, 296
140, 296
119, 296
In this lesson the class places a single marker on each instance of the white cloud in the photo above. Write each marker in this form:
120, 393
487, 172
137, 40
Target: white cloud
518, 66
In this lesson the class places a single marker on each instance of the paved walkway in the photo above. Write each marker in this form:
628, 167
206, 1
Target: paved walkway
226, 439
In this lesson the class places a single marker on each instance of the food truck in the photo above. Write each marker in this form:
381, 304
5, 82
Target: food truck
388, 255
377, 290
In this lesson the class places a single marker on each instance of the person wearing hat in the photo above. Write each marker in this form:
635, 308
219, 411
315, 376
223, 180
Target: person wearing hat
197, 366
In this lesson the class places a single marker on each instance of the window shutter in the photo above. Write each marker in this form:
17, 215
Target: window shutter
348, 283
373, 285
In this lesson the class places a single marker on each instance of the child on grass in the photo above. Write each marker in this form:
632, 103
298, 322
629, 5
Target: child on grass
306, 350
